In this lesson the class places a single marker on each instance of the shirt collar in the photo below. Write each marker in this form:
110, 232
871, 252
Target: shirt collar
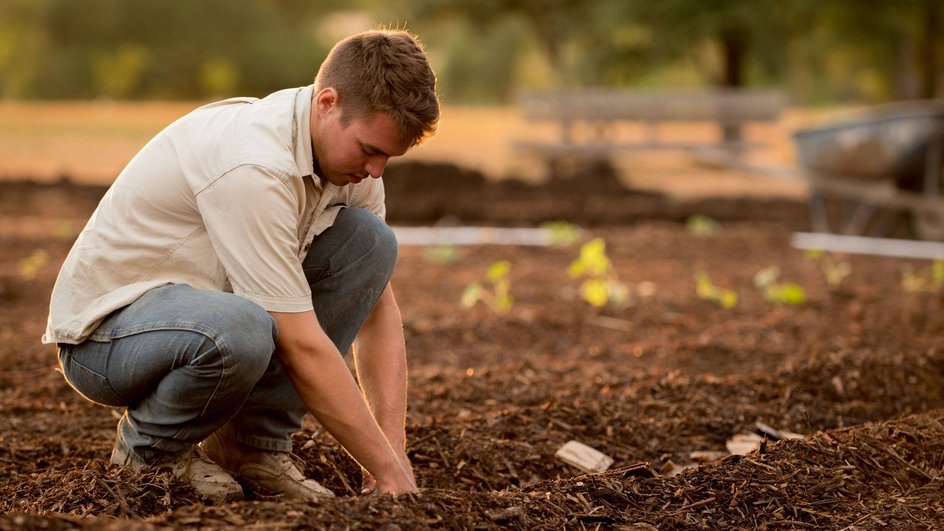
303, 155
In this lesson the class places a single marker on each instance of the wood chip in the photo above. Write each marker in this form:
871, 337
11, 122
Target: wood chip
743, 443
585, 458
507, 513
637, 470
775, 434
703, 456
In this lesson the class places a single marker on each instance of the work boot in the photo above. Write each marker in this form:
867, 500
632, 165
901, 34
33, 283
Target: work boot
269, 471
211, 482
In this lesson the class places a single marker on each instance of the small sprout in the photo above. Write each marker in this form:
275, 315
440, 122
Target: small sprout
65, 230
708, 291
786, 293
29, 267
496, 295
593, 290
766, 277
563, 233
602, 286
471, 295
928, 279
778, 292
835, 272
704, 226
441, 254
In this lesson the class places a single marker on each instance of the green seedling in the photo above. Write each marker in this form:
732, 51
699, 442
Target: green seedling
496, 293
789, 293
834, 271
29, 267
929, 279
704, 226
708, 291
65, 230
441, 254
601, 286
563, 233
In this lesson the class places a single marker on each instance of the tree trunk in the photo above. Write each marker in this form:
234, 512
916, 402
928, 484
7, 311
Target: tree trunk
927, 54
907, 70
734, 48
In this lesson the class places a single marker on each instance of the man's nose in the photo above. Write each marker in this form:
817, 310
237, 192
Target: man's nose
375, 166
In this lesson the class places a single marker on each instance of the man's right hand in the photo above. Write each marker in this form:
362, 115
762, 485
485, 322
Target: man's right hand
370, 485
326, 385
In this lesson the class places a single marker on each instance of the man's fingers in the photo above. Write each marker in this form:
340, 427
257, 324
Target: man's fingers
369, 484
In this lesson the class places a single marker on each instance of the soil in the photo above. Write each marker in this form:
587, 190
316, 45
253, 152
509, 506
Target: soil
858, 370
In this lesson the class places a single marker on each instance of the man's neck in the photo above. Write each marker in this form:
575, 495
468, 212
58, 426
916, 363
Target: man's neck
317, 169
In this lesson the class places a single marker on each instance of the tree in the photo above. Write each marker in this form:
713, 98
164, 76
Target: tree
165, 49
901, 41
552, 23
22, 40
740, 31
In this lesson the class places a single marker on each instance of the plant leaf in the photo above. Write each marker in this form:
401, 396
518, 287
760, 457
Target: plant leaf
617, 292
471, 294
594, 291
498, 270
766, 276
792, 294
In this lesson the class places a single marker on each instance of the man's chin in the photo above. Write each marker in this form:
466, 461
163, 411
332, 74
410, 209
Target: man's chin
339, 180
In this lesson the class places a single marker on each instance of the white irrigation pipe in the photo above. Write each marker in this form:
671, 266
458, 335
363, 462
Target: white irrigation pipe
433, 236
871, 246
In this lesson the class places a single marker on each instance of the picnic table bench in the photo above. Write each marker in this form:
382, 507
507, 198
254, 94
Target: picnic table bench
601, 110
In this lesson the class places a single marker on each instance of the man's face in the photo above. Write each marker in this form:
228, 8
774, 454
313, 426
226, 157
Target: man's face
356, 151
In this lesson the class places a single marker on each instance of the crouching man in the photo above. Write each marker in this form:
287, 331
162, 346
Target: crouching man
234, 260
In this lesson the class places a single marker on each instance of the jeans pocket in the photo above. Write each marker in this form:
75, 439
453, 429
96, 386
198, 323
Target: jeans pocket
91, 385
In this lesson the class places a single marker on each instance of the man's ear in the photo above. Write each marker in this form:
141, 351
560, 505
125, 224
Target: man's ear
326, 99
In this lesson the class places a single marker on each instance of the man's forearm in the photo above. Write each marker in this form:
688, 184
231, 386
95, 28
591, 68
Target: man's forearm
380, 358
327, 387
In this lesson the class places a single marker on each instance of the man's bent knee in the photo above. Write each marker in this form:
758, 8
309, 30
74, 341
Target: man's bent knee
244, 331
370, 233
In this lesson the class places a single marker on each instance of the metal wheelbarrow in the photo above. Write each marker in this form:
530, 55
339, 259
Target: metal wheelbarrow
884, 167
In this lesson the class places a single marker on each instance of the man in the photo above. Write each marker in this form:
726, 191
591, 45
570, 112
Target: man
233, 261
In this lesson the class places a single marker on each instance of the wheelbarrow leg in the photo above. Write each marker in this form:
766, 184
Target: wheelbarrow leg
857, 220
818, 211
928, 223
932, 169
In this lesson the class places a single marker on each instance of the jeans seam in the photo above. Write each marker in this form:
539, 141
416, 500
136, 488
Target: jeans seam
225, 373
185, 326
104, 382
196, 328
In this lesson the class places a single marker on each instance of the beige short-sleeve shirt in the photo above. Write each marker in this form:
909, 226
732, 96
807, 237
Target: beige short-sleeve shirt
223, 199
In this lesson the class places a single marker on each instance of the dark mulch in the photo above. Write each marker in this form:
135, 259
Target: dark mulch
858, 369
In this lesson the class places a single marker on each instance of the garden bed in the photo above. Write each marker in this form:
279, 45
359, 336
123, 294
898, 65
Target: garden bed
858, 369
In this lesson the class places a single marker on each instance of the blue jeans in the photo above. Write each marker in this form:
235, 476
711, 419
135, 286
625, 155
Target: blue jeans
187, 362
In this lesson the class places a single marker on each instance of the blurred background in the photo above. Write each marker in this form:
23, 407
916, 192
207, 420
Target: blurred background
483, 50
84, 83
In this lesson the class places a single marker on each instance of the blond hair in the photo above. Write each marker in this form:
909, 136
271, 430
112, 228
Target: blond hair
383, 70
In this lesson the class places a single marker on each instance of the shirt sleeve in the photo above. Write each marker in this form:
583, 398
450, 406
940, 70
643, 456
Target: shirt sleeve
252, 217
370, 195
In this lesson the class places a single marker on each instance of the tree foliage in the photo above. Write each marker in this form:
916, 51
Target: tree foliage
166, 49
483, 50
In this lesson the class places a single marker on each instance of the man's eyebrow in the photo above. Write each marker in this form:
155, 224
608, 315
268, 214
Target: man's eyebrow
375, 149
